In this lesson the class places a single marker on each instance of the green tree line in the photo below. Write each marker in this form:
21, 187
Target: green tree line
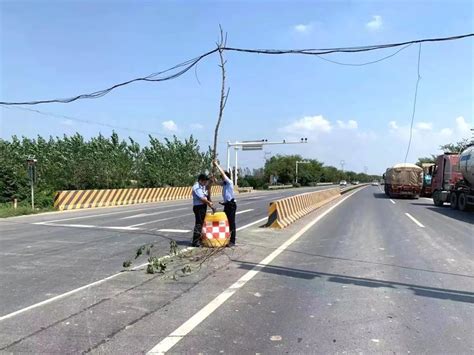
73, 163
283, 169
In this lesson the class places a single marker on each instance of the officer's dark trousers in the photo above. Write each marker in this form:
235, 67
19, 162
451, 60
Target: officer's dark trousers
199, 215
230, 208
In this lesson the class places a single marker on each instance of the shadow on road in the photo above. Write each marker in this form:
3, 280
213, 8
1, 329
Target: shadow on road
422, 204
380, 195
424, 291
463, 216
367, 262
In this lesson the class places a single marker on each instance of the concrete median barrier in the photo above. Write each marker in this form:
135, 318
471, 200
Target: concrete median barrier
79, 199
282, 213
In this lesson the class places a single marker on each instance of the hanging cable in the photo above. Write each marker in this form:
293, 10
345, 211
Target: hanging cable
345, 49
414, 104
150, 78
366, 63
187, 65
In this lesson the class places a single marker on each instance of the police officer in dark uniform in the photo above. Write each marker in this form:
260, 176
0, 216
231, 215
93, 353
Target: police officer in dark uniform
201, 200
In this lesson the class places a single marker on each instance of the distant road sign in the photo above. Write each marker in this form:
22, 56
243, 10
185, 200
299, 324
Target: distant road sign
253, 147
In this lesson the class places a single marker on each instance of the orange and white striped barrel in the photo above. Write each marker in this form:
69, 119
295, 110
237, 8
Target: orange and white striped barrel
215, 230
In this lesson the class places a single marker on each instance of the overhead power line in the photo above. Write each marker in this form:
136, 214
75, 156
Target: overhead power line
414, 103
324, 51
150, 78
366, 63
187, 65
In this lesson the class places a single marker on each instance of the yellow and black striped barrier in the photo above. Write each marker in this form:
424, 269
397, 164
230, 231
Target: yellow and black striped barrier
282, 213
77, 199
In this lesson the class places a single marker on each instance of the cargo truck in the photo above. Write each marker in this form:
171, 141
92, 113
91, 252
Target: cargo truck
453, 179
403, 180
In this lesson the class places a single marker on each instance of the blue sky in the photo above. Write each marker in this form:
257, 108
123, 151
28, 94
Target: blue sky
56, 49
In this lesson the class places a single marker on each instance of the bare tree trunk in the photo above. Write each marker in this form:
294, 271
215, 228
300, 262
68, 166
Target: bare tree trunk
223, 100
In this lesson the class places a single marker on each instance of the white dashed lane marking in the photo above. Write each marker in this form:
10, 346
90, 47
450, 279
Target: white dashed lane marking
414, 220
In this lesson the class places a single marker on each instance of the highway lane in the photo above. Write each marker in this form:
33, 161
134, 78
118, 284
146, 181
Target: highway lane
71, 249
366, 278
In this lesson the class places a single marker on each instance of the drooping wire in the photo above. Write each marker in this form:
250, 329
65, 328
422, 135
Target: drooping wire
414, 104
150, 78
193, 62
358, 49
366, 63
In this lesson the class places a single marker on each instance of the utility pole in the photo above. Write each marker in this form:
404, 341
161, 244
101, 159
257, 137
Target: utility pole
342, 165
236, 167
299, 162
31, 162
366, 169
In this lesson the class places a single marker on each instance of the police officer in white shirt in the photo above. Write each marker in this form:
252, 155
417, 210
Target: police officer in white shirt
230, 206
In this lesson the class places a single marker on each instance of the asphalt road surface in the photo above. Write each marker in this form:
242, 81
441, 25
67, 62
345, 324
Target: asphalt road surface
362, 274
49, 254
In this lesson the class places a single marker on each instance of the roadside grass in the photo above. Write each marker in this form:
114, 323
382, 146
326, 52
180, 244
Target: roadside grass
7, 210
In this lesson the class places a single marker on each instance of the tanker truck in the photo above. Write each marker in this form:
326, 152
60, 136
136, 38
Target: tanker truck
453, 179
403, 180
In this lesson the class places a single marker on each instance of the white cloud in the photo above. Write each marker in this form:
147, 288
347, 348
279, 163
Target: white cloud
393, 125
375, 24
196, 126
462, 126
67, 122
351, 124
309, 123
170, 126
424, 126
446, 132
301, 28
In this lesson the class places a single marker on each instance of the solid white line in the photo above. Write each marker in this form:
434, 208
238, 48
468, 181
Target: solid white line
63, 295
414, 220
251, 224
58, 297
159, 220
392, 201
172, 339
68, 225
245, 211
154, 213
135, 216
111, 213
174, 230
85, 226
